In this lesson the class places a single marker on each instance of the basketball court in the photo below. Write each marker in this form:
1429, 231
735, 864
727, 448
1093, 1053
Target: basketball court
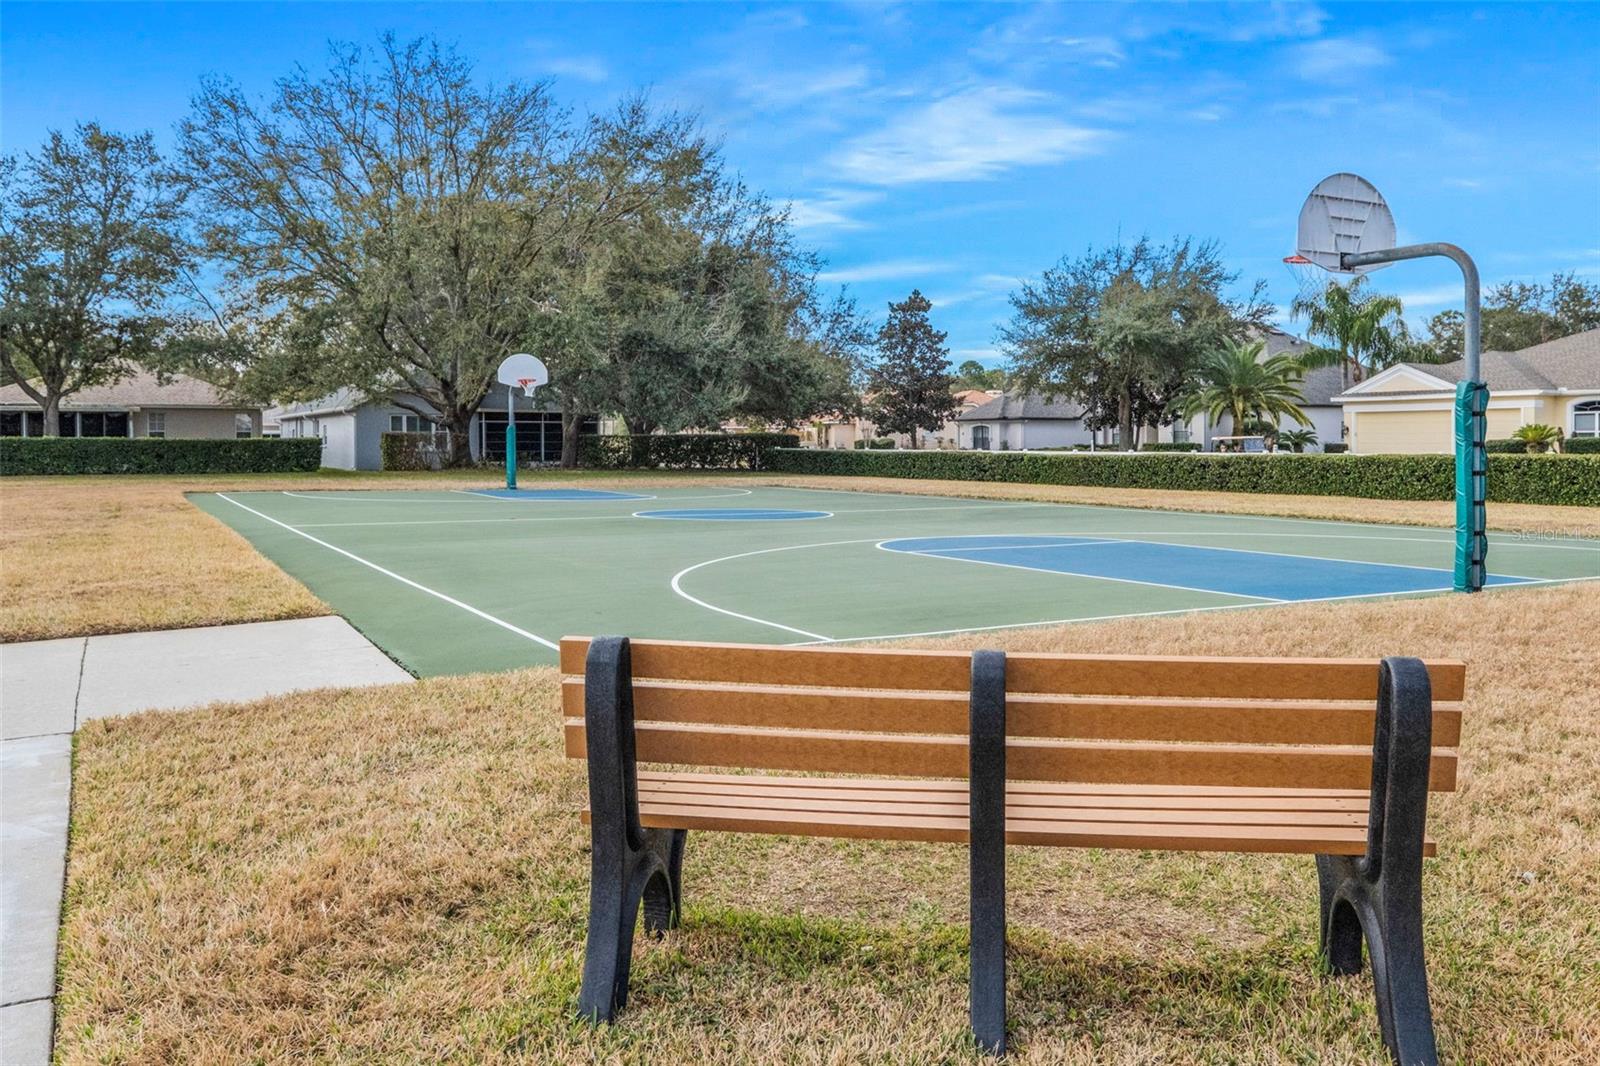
459, 581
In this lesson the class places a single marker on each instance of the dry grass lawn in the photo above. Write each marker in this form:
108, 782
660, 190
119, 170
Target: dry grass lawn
87, 555
399, 875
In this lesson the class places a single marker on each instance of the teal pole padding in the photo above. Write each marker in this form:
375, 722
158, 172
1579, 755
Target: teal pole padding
1472, 472
511, 437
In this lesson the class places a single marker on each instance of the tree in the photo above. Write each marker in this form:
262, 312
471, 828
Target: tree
1297, 440
1236, 381
395, 226
1518, 315
1118, 329
90, 249
1538, 438
974, 375
1364, 330
911, 383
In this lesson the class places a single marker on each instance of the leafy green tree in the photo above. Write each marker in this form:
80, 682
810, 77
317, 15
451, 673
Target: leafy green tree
1363, 330
1518, 315
394, 225
974, 375
1297, 440
1118, 329
910, 384
91, 249
1236, 381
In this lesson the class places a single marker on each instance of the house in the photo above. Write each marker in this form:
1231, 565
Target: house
139, 405
352, 424
840, 432
1015, 421
1320, 389
1408, 407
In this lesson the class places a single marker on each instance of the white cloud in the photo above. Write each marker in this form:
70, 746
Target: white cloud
584, 68
831, 210
970, 135
885, 270
1336, 59
981, 289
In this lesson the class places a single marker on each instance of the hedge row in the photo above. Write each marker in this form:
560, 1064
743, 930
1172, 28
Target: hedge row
681, 451
156, 455
1581, 445
1170, 446
412, 451
1547, 479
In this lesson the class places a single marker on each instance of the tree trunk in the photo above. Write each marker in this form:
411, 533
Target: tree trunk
638, 427
459, 425
571, 422
1125, 419
52, 414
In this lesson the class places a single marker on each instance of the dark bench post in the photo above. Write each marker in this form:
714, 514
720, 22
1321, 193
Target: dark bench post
987, 784
627, 864
1378, 896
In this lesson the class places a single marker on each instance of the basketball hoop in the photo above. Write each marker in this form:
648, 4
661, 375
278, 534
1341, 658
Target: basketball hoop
1344, 215
525, 372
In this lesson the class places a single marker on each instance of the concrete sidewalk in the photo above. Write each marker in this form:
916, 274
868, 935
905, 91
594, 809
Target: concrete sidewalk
49, 687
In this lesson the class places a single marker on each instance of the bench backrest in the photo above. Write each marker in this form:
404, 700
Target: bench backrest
1094, 719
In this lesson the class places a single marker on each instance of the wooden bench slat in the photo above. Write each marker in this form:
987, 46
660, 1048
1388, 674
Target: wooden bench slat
1322, 840
1017, 795
1097, 675
1086, 718
1038, 787
1027, 758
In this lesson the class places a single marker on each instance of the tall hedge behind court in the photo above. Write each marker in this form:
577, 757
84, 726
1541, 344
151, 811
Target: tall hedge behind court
681, 451
154, 455
1546, 479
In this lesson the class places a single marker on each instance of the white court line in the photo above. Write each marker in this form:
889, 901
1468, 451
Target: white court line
604, 517
451, 600
944, 553
1074, 573
621, 497
686, 571
327, 495
757, 514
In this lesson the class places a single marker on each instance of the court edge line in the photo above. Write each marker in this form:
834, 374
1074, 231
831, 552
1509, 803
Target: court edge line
620, 497
686, 571
451, 600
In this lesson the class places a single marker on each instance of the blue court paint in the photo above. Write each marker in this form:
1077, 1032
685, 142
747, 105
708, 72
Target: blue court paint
1236, 573
557, 494
733, 514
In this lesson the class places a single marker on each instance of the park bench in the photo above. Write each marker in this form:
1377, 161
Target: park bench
1326, 757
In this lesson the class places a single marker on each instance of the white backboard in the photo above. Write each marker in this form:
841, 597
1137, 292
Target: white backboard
1345, 213
524, 372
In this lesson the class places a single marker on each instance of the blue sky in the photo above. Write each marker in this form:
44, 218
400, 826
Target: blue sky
963, 148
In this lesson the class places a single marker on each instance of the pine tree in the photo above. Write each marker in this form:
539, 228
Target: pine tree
911, 384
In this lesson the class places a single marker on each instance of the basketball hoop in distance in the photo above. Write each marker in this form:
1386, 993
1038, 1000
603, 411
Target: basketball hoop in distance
525, 372
1344, 215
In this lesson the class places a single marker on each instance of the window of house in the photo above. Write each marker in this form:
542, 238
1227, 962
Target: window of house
243, 426
92, 424
117, 423
33, 423
411, 424
10, 423
67, 424
980, 438
1586, 419
156, 424
1180, 433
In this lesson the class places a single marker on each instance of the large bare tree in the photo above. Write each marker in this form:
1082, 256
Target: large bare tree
90, 248
393, 224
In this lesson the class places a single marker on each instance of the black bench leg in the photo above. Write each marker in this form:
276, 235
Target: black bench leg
987, 784
1378, 897
629, 865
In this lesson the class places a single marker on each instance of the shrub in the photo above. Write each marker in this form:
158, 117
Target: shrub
1170, 446
882, 444
1581, 446
1335, 448
681, 451
413, 451
1506, 446
156, 455
1571, 479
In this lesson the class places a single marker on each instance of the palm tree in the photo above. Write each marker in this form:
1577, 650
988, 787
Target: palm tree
1364, 330
1538, 438
1297, 440
1235, 381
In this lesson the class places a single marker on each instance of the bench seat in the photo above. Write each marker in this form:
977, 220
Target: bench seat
1168, 818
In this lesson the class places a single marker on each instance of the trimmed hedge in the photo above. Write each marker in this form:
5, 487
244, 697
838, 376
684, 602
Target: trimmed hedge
1546, 479
681, 451
1581, 445
1506, 446
410, 451
1170, 446
157, 455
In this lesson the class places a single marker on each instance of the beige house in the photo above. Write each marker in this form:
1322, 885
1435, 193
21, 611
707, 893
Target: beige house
1408, 407
839, 432
139, 405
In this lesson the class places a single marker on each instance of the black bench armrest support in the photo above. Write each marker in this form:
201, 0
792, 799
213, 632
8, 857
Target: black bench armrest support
1378, 897
987, 824
627, 864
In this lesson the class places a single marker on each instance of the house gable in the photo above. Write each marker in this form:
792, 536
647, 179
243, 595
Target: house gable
1400, 378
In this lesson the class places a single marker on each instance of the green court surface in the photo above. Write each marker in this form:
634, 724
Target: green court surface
461, 581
